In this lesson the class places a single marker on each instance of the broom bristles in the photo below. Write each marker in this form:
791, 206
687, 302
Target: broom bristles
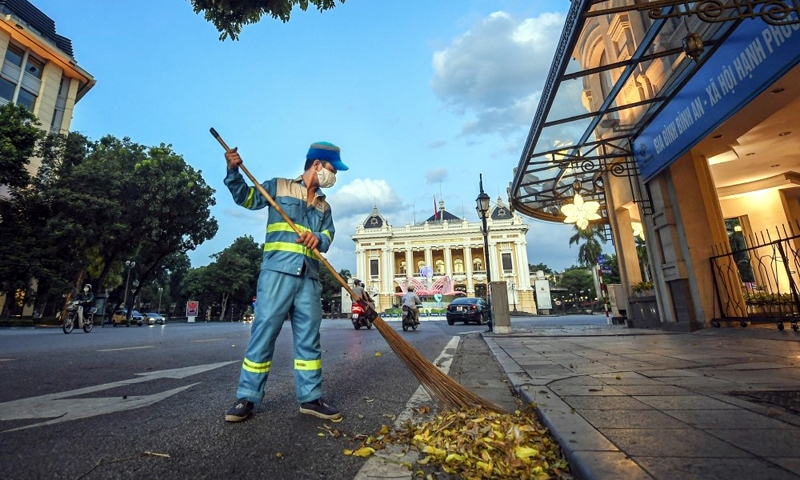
439, 386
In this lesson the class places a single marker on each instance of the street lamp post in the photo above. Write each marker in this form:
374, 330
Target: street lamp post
129, 265
482, 206
160, 291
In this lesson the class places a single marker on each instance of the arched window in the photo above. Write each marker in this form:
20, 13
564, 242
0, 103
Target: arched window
477, 265
440, 267
458, 265
403, 266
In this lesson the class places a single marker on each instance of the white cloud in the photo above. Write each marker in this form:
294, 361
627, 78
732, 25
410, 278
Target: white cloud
438, 175
495, 72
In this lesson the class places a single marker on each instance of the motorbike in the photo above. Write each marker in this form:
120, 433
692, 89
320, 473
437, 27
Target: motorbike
409, 319
72, 318
359, 317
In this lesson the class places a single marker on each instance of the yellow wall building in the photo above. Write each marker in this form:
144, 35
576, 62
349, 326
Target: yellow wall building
38, 69
453, 248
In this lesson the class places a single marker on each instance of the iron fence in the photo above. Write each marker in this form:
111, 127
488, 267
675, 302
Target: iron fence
756, 277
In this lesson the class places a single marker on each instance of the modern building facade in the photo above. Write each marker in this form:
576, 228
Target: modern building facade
679, 119
39, 70
388, 258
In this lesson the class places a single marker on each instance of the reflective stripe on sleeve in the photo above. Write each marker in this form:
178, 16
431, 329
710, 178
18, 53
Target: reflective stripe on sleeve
248, 202
327, 233
256, 367
307, 364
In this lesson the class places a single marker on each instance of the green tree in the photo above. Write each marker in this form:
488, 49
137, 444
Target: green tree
19, 219
19, 134
235, 272
589, 243
576, 280
533, 268
229, 16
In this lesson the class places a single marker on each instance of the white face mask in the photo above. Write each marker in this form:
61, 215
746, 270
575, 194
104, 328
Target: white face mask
326, 178
85, 289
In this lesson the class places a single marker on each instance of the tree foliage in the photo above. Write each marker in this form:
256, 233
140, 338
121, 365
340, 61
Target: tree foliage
94, 205
533, 268
19, 134
589, 243
229, 16
235, 272
576, 280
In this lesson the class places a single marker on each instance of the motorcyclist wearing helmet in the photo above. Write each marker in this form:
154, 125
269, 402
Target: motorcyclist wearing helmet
362, 294
410, 300
85, 301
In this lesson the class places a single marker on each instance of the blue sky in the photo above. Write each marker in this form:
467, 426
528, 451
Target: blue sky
421, 96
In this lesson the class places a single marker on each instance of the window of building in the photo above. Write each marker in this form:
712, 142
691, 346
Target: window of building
6, 90
477, 265
373, 267
14, 55
26, 99
34, 67
507, 268
458, 264
440, 267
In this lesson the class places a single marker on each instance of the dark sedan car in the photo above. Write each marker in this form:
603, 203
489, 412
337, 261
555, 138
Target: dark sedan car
467, 309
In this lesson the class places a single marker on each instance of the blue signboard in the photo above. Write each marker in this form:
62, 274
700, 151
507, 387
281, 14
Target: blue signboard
751, 58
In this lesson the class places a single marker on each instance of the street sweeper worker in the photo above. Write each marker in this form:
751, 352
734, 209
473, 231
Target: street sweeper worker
289, 279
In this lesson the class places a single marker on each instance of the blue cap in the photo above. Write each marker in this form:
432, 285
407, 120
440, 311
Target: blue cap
327, 152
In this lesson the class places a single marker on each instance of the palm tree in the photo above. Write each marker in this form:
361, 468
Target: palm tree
589, 240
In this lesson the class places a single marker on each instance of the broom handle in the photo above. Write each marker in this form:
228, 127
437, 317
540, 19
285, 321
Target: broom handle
288, 220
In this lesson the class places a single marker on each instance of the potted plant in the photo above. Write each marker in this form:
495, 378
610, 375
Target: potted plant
642, 289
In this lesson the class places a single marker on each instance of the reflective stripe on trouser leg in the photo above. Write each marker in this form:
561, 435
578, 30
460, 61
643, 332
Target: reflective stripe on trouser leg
306, 320
275, 292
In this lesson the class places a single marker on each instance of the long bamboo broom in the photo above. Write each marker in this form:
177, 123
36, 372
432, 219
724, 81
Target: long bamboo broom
439, 386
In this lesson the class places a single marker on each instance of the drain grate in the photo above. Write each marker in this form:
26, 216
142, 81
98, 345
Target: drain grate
787, 399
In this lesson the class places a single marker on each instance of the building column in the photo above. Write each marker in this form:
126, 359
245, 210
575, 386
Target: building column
409, 262
428, 257
468, 268
448, 262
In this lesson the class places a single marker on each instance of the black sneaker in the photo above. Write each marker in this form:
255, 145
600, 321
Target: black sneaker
320, 409
239, 411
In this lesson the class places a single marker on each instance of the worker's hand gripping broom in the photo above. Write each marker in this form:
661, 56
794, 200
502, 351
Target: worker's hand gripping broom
441, 388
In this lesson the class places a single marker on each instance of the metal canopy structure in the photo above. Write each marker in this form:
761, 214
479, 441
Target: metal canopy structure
575, 139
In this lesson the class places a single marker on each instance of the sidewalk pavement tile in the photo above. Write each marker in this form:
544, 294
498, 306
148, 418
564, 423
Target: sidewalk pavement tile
712, 469
710, 419
633, 403
684, 402
763, 443
678, 442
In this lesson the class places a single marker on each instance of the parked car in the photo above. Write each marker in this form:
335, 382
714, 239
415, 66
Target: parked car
467, 309
120, 317
151, 318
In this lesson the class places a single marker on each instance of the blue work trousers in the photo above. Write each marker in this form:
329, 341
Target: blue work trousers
278, 293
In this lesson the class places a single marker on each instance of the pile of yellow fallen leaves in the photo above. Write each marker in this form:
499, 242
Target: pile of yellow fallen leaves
478, 444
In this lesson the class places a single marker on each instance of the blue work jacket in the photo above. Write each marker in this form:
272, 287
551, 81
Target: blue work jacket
281, 253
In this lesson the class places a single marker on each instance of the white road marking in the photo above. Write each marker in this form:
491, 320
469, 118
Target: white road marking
125, 348
387, 463
58, 407
206, 340
6, 359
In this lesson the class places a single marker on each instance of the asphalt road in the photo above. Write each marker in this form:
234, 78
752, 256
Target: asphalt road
148, 402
